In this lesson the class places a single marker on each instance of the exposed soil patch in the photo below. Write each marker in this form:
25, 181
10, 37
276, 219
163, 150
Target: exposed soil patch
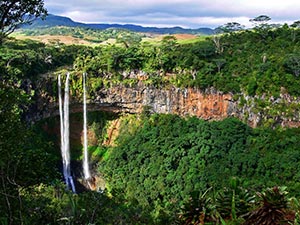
184, 36
56, 39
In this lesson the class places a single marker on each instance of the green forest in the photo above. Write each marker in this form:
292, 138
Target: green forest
161, 168
91, 35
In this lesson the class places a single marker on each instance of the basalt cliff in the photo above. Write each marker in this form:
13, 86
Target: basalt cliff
208, 104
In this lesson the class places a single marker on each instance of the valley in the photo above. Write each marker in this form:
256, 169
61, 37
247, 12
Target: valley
152, 128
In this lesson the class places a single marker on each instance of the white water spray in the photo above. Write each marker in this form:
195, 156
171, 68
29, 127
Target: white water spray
64, 132
86, 170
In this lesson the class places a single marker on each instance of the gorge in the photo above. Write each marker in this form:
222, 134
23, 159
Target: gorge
209, 104
170, 126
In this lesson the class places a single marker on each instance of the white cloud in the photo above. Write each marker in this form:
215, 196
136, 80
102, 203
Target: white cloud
186, 13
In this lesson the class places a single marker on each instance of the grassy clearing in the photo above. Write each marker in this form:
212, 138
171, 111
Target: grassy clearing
152, 39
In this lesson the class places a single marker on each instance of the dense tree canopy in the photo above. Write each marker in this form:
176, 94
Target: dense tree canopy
163, 169
14, 13
160, 161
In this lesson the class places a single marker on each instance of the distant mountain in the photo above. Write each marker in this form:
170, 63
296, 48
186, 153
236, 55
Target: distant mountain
167, 30
53, 20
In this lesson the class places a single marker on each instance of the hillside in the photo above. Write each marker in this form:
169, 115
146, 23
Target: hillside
88, 36
53, 20
78, 35
154, 136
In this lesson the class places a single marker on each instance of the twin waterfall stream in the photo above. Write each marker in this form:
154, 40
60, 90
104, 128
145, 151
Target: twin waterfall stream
65, 133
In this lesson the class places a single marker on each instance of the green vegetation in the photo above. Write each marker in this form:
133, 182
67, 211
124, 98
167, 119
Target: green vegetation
13, 14
88, 34
28, 59
237, 62
162, 160
162, 169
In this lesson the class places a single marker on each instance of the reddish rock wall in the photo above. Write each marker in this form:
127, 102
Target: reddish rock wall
193, 102
209, 104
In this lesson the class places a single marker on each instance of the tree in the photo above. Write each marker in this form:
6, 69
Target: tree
261, 19
295, 29
292, 63
273, 207
219, 63
14, 13
167, 53
129, 39
296, 24
261, 22
231, 27
217, 40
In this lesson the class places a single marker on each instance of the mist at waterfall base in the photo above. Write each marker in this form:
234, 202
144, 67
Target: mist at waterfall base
65, 133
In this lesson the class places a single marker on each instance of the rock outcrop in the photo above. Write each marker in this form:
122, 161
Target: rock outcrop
209, 104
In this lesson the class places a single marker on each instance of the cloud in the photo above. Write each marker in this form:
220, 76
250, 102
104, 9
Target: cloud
185, 13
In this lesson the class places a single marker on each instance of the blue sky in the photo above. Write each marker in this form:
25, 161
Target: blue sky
169, 13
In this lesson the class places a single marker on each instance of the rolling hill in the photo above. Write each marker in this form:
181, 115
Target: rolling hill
54, 20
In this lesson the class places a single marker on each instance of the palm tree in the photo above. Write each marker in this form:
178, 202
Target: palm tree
272, 208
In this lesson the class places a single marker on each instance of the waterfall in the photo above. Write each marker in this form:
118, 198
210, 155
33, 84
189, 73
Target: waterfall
65, 133
62, 145
86, 171
66, 149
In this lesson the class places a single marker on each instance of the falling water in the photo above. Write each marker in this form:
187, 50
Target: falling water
64, 131
66, 150
86, 170
62, 145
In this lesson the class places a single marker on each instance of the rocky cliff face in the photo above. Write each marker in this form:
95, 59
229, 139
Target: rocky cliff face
209, 104
193, 102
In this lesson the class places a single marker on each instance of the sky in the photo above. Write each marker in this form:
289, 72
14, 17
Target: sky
170, 13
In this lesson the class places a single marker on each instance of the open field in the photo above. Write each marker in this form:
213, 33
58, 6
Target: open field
69, 40
51, 39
